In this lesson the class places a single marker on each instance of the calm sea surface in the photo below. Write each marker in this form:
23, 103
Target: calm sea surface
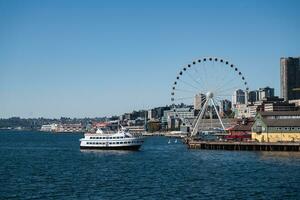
51, 166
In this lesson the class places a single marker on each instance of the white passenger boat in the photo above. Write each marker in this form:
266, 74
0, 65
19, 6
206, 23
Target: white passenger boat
121, 140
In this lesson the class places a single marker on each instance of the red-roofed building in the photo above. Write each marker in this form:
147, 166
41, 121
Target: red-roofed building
100, 124
241, 131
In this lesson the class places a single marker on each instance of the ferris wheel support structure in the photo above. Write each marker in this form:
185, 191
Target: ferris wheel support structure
209, 100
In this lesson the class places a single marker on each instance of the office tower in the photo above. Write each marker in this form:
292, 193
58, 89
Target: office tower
266, 92
290, 78
199, 101
239, 97
253, 96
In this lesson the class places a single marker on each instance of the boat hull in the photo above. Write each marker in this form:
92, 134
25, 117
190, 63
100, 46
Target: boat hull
129, 148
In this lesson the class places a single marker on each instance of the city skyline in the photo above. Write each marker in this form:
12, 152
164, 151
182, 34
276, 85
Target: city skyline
93, 59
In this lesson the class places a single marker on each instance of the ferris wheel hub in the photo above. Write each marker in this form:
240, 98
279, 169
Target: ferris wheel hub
209, 95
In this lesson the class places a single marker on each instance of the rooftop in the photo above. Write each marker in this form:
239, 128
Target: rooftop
280, 113
282, 122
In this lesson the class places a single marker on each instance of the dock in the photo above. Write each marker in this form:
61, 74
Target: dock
152, 134
244, 146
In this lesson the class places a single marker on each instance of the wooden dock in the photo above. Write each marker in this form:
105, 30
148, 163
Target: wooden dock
244, 146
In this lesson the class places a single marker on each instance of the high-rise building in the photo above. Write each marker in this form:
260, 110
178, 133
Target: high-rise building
264, 93
290, 78
253, 96
239, 97
225, 107
150, 114
199, 101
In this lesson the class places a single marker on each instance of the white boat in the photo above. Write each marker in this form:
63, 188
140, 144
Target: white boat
121, 140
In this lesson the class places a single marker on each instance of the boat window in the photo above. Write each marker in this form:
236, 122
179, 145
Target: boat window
110, 138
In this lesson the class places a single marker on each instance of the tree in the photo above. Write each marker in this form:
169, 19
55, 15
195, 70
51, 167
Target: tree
153, 126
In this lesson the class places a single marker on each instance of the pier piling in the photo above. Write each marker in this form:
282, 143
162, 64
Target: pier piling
244, 146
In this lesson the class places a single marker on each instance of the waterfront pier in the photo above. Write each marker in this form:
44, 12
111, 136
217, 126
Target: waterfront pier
244, 146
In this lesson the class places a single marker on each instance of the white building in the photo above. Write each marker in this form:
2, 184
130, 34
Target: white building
239, 97
266, 92
171, 117
150, 114
242, 110
199, 101
49, 128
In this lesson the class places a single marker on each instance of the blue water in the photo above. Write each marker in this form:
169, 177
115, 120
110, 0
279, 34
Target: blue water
51, 166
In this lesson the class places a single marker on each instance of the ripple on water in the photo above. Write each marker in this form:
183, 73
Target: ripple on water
45, 166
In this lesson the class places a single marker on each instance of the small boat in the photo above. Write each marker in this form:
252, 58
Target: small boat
169, 142
121, 140
175, 141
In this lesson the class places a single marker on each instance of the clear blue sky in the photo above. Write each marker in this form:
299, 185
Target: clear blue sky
97, 58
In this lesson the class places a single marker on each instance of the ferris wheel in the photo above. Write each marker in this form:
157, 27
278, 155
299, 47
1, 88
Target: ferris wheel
205, 85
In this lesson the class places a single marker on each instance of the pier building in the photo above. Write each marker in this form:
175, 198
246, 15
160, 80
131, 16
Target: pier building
278, 126
49, 127
241, 131
70, 128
